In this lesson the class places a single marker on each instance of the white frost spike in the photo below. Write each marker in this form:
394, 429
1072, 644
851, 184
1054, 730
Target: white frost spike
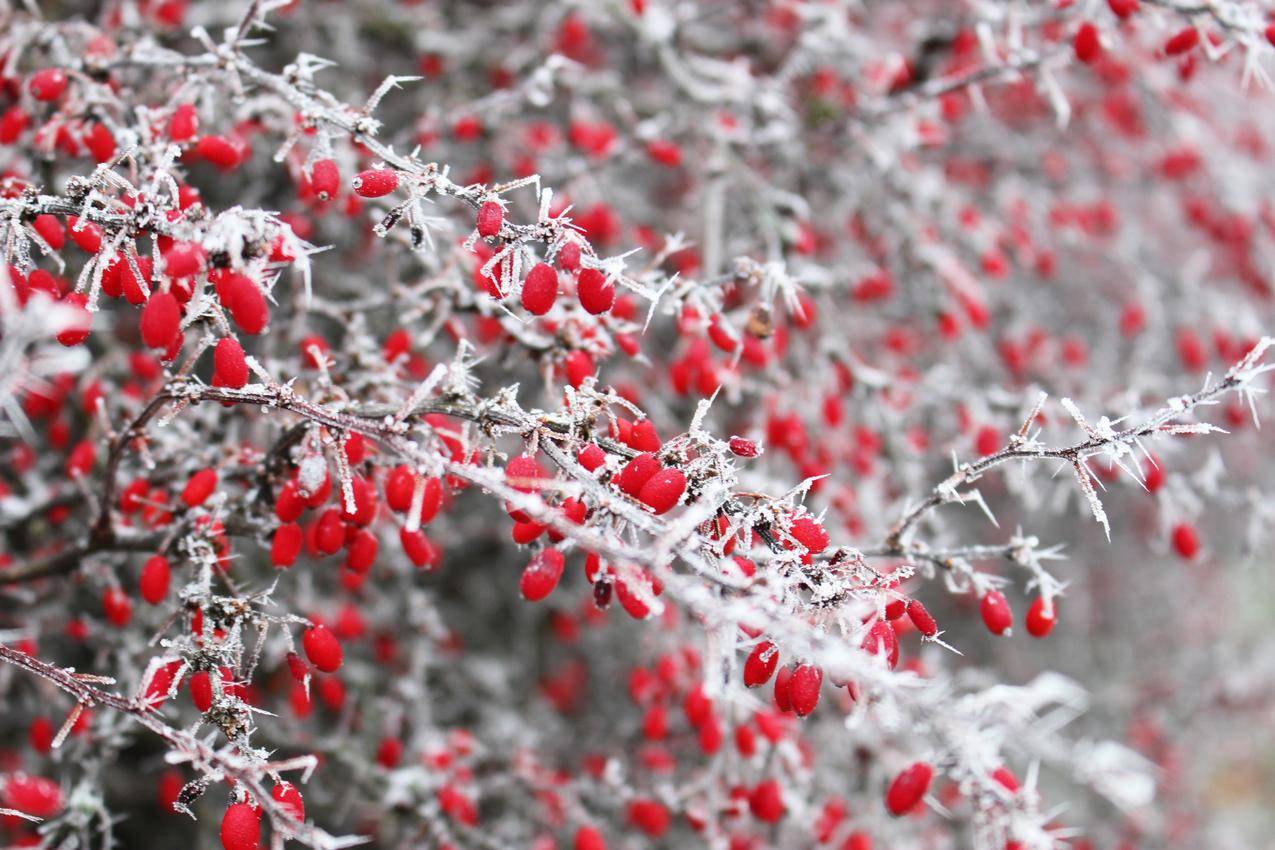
1091, 496
388, 85
1070, 406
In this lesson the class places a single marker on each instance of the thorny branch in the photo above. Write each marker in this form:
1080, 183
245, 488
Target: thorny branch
217, 764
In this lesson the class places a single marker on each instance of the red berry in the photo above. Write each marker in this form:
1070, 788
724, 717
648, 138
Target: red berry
40, 734
540, 289
588, 838
987, 441
12, 123
47, 84
523, 473
375, 182
803, 688
664, 152
1006, 778
644, 437
908, 788
596, 293
579, 366
881, 639
286, 545
243, 298
1153, 475
592, 456
201, 690
389, 753
1041, 617
184, 123
80, 461
116, 607
184, 259
100, 143
1185, 540
807, 531
761, 663
85, 234
313, 348
289, 799
541, 575
329, 531
783, 680
32, 795
1182, 41
199, 487
418, 548
322, 648
649, 816
996, 613
399, 487
633, 477
153, 582
80, 323
1086, 43
698, 707
569, 256
241, 828
1122, 8
365, 503
921, 618
325, 179
50, 230
663, 490
743, 448
230, 366
491, 215
127, 282
161, 320
360, 552
766, 801
219, 151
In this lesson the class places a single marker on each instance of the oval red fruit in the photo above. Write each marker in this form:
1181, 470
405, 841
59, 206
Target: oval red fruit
230, 365
541, 575
375, 182
803, 688
286, 545
1041, 617
322, 648
47, 84
996, 613
760, 664
153, 582
289, 799
663, 490
633, 477
540, 289
921, 618
596, 293
241, 828
199, 487
908, 788
201, 692
161, 319
766, 801
491, 215
325, 179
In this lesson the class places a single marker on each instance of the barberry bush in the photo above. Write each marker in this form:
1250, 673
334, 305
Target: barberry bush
641, 423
